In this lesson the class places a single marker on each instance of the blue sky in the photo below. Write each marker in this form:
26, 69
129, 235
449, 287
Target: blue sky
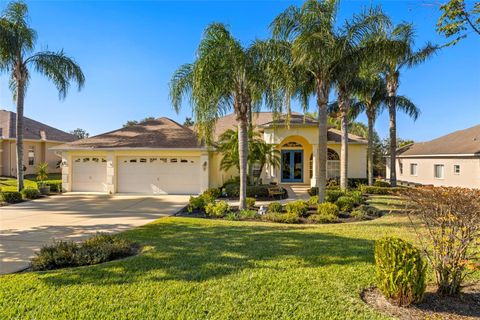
129, 50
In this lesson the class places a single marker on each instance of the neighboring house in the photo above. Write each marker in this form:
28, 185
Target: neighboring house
163, 157
451, 160
38, 138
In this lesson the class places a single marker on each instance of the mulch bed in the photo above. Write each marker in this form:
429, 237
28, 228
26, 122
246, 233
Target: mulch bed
433, 306
342, 218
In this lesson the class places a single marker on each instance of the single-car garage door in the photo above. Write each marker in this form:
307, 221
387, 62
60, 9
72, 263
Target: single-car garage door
159, 175
89, 174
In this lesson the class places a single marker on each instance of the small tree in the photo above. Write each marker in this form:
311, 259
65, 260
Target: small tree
42, 173
451, 241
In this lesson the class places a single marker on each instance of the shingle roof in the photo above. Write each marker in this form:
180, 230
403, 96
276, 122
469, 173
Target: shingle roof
461, 142
161, 133
265, 120
32, 129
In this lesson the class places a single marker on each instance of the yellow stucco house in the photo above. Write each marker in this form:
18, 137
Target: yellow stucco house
38, 139
163, 157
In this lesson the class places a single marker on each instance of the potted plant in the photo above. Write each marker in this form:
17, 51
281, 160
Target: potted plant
42, 175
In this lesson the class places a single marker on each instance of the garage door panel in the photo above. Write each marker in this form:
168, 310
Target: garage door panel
89, 174
159, 175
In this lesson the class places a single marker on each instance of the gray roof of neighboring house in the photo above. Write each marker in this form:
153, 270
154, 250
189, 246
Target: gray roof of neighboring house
161, 133
461, 142
33, 130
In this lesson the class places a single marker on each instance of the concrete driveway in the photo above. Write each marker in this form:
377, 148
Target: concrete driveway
25, 227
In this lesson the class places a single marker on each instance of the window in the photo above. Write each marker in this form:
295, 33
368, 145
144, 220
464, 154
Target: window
86, 159
400, 167
173, 160
438, 171
31, 155
256, 169
333, 164
456, 169
133, 160
95, 160
143, 160
183, 161
413, 169
292, 144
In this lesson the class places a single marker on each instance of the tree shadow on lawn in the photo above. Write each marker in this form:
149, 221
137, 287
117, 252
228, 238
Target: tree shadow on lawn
196, 251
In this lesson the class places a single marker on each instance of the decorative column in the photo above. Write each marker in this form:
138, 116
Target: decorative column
66, 172
204, 171
111, 179
315, 166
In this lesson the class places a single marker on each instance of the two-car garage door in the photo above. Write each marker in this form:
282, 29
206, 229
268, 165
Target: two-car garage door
145, 175
159, 175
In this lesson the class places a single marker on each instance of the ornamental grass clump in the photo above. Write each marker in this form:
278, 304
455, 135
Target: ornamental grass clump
400, 271
450, 236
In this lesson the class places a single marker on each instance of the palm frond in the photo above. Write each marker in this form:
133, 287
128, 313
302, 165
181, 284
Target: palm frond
59, 68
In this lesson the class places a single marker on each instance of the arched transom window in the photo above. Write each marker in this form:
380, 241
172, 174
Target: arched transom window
292, 144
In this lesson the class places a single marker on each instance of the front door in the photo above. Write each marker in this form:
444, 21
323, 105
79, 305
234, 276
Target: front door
292, 166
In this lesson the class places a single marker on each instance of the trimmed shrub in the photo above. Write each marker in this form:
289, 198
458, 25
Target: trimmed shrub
400, 271
333, 195
212, 193
380, 183
313, 201
217, 209
357, 196
55, 185
231, 216
281, 217
30, 193
195, 203
275, 207
99, 248
250, 202
61, 254
299, 208
328, 208
323, 218
247, 214
345, 203
379, 190
233, 191
313, 191
365, 211
104, 247
11, 196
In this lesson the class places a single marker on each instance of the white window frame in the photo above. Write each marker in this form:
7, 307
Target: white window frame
31, 156
413, 165
435, 171
455, 167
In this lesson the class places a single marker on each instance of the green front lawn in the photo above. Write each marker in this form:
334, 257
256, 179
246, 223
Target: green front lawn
10, 184
30, 181
200, 268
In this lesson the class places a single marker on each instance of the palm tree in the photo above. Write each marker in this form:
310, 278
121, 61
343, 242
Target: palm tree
318, 47
17, 43
259, 152
223, 77
372, 98
399, 53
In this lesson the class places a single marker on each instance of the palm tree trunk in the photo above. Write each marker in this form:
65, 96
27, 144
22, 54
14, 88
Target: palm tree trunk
392, 110
370, 150
344, 106
322, 101
19, 132
243, 154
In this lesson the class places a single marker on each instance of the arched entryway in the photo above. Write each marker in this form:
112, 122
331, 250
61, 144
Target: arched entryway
294, 152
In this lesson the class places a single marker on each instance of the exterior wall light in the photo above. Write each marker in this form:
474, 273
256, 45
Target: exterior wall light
204, 165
